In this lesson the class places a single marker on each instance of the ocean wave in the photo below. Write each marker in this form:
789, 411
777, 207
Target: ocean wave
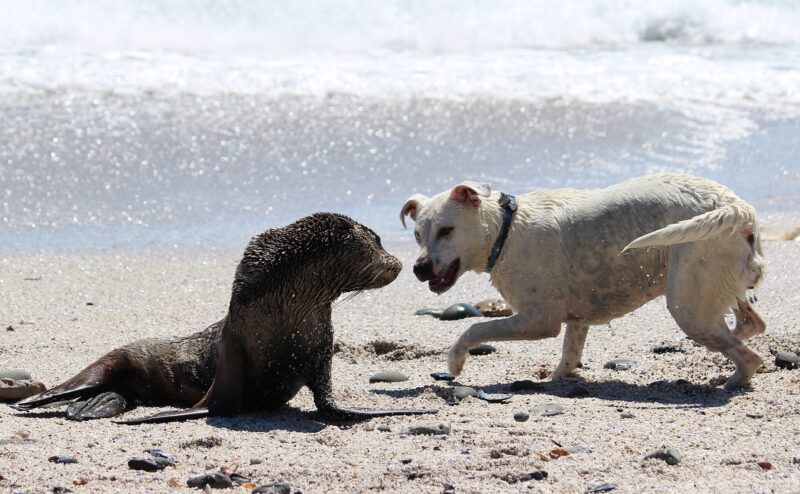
277, 28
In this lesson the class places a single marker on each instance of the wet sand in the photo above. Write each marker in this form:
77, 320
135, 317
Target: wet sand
722, 436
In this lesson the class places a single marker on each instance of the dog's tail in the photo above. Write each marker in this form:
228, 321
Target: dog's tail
727, 220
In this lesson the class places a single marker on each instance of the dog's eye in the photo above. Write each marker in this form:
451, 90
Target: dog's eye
444, 231
417, 237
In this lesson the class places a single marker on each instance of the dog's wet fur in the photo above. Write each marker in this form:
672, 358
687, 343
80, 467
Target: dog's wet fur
585, 257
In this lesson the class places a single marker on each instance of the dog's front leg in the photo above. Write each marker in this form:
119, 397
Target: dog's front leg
516, 327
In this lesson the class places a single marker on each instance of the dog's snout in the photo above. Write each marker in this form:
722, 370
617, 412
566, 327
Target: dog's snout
423, 269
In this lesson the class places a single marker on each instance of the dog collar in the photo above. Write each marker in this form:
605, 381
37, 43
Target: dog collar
509, 205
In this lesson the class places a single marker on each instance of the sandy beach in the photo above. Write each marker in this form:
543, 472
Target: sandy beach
721, 436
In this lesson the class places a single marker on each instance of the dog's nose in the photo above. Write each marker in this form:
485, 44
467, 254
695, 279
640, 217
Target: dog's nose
423, 270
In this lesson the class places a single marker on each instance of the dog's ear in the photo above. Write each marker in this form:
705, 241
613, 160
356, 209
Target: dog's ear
411, 207
470, 193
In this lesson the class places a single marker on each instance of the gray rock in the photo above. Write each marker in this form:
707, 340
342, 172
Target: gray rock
437, 313
604, 487
384, 428
461, 392
388, 377
535, 475
273, 488
494, 397
482, 349
149, 464
15, 374
669, 455
547, 409
575, 449
460, 311
522, 416
429, 428
256, 461
442, 376
64, 459
619, 365
787, 360
216, 480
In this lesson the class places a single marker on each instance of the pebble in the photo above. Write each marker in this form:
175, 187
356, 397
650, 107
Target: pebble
209, 465
160, 453
535, 475
494, 307
493, 397
384, 428
482, 349
442, 376
577, 392
437, 313
605, 487
461, 392
16, 374
548, 409
62, 459
429, 428
273, 488
787, 360
619, 365
526, 385
216, 480
765, 465
388, 377
668, 349
575, 449
522, 416
149, 464
669, 455
256, 461
448, 489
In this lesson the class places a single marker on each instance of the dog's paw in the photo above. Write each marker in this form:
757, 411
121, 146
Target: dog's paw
456, 358
560, 373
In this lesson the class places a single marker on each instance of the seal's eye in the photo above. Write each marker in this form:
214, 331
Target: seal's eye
444, 232
417, 237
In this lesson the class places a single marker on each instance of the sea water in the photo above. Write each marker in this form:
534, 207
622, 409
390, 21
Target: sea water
149, 123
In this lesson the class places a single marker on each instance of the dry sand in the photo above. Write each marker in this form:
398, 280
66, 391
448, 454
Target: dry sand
721, 435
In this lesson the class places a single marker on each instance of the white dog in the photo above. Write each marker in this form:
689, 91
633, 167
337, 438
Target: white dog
585, 257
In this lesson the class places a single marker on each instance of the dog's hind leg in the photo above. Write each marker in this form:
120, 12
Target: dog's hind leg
516, 327
574, 339
697, 299
748, 322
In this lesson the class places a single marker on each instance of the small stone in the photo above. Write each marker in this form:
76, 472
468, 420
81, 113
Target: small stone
493, 397
388, 377
605, 487
256, 461
494, 307
16, 374
669, 455
522, 416
619, 365
548, 409
369, 427
59, 490
273, 488
787, 360
575, 449
429, 428
668, 349
210, 465
90, 303
149, 464
384, 428
448, 489
160, 453
18, 389
535, 475
442, 376
526, 385
765, 465
482, 349
577, 392
437, 313
627, 415
216, 480
63, 459
460, 311
461, 392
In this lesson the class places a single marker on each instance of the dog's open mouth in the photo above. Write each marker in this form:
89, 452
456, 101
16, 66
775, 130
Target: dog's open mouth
444, 282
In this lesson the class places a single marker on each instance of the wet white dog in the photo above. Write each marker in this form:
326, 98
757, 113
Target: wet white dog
585, 257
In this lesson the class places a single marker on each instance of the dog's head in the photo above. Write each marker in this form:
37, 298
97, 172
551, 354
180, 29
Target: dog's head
450, 232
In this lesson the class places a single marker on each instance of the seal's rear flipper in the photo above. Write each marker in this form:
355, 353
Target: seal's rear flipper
102, 406
170, 416
336, 414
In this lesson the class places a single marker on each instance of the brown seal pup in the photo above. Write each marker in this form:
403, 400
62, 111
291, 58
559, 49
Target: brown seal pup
276, 338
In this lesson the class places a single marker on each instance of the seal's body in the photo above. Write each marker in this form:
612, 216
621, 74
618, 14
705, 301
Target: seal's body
276, 338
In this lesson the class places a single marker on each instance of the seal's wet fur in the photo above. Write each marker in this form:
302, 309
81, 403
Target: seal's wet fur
276, 338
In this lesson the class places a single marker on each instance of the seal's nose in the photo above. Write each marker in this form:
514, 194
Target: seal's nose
423, 269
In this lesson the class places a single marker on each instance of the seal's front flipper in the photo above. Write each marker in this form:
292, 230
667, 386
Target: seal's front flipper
104, 405
336, 414
170, 416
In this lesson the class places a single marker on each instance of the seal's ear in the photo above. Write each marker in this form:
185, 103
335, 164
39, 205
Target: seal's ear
411, 207
470, 193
